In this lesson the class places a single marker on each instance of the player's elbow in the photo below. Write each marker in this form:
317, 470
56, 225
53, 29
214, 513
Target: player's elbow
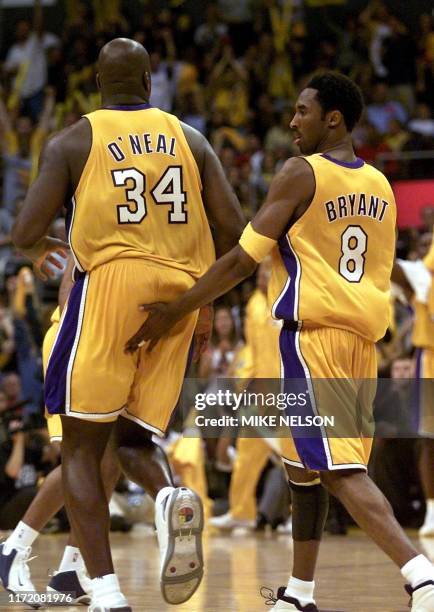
244, 265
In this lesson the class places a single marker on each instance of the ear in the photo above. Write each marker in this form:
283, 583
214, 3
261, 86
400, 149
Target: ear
147, 83
334, 119
98, 82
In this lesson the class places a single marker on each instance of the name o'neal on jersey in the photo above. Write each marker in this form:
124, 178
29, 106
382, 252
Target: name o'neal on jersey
356, 205
142, 144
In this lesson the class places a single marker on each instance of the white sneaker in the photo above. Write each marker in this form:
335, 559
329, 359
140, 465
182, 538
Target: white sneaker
179, 522
285, 527
96, 607
115, 603
14, 569
283, 602
422, 597
77, 583
226, 522
427, 530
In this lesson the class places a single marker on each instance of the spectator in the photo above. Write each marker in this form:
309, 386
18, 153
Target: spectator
280, 135
381, 109
26, 61
212, 30
21, 461
422, 122
22, 146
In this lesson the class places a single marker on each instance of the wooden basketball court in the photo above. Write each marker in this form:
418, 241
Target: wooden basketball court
353, 576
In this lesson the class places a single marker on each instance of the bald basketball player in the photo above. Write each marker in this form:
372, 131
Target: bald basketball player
143, 192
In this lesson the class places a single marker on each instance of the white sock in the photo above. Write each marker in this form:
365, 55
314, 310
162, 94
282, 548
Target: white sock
301, 590
71, 560
162, 494
429, 515
106, 589
418, 570
21, 537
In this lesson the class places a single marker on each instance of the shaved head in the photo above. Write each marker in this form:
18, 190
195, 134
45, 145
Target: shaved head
124, 69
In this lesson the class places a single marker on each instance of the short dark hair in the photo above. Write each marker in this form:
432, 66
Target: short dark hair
337, 92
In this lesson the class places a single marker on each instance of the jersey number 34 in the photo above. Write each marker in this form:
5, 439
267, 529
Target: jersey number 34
168, 191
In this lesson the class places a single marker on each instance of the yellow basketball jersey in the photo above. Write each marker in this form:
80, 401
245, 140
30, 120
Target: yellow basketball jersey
423, 327
139, 195
262, 336
333, 267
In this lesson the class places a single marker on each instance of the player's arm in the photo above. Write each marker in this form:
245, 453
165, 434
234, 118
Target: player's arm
290, 191
221, 204
45, 197
61, 164
43, 201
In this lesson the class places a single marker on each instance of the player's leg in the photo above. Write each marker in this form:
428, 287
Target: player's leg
179, 515
84, 443
71, 575
426, 471
141, 460
373, 513
309, 513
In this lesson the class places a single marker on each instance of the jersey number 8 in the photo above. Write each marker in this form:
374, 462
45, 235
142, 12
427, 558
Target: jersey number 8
354, 243
168, 191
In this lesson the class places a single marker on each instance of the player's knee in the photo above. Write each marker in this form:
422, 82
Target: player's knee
337, 482
309, 508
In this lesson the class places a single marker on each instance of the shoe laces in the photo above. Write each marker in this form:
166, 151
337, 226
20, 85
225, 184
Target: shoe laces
25, 558
268, 595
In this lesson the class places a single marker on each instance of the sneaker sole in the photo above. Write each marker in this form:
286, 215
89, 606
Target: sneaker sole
34, 606
84, 600
123, 609
184, 555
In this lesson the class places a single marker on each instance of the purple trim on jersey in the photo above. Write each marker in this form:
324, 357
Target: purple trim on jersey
310, 449
128, 107
55, 379
358, 163
285, 308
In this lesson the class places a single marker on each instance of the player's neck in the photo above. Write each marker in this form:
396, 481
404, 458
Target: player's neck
340, 149
118, 99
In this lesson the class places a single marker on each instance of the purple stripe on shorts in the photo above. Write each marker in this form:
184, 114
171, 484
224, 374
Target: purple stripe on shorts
311, 448
285, 308
55, 379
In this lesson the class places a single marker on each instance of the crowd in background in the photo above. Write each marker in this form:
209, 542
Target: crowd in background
234, 76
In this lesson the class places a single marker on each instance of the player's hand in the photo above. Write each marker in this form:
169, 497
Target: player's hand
203, 330
161, 319
43, 255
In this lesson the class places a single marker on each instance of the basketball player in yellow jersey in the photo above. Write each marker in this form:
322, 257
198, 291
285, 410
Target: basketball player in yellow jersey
329, 222
416, 281
144, 186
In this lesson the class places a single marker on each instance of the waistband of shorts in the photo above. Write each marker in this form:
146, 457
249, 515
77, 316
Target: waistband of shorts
292, 326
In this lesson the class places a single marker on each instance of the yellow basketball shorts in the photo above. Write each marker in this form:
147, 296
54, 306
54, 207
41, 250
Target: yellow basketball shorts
424, 409
54, 422
89, 376
335, 373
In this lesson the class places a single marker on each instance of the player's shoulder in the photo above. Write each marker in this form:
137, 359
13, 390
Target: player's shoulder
69, 137
297, 175
199, 145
